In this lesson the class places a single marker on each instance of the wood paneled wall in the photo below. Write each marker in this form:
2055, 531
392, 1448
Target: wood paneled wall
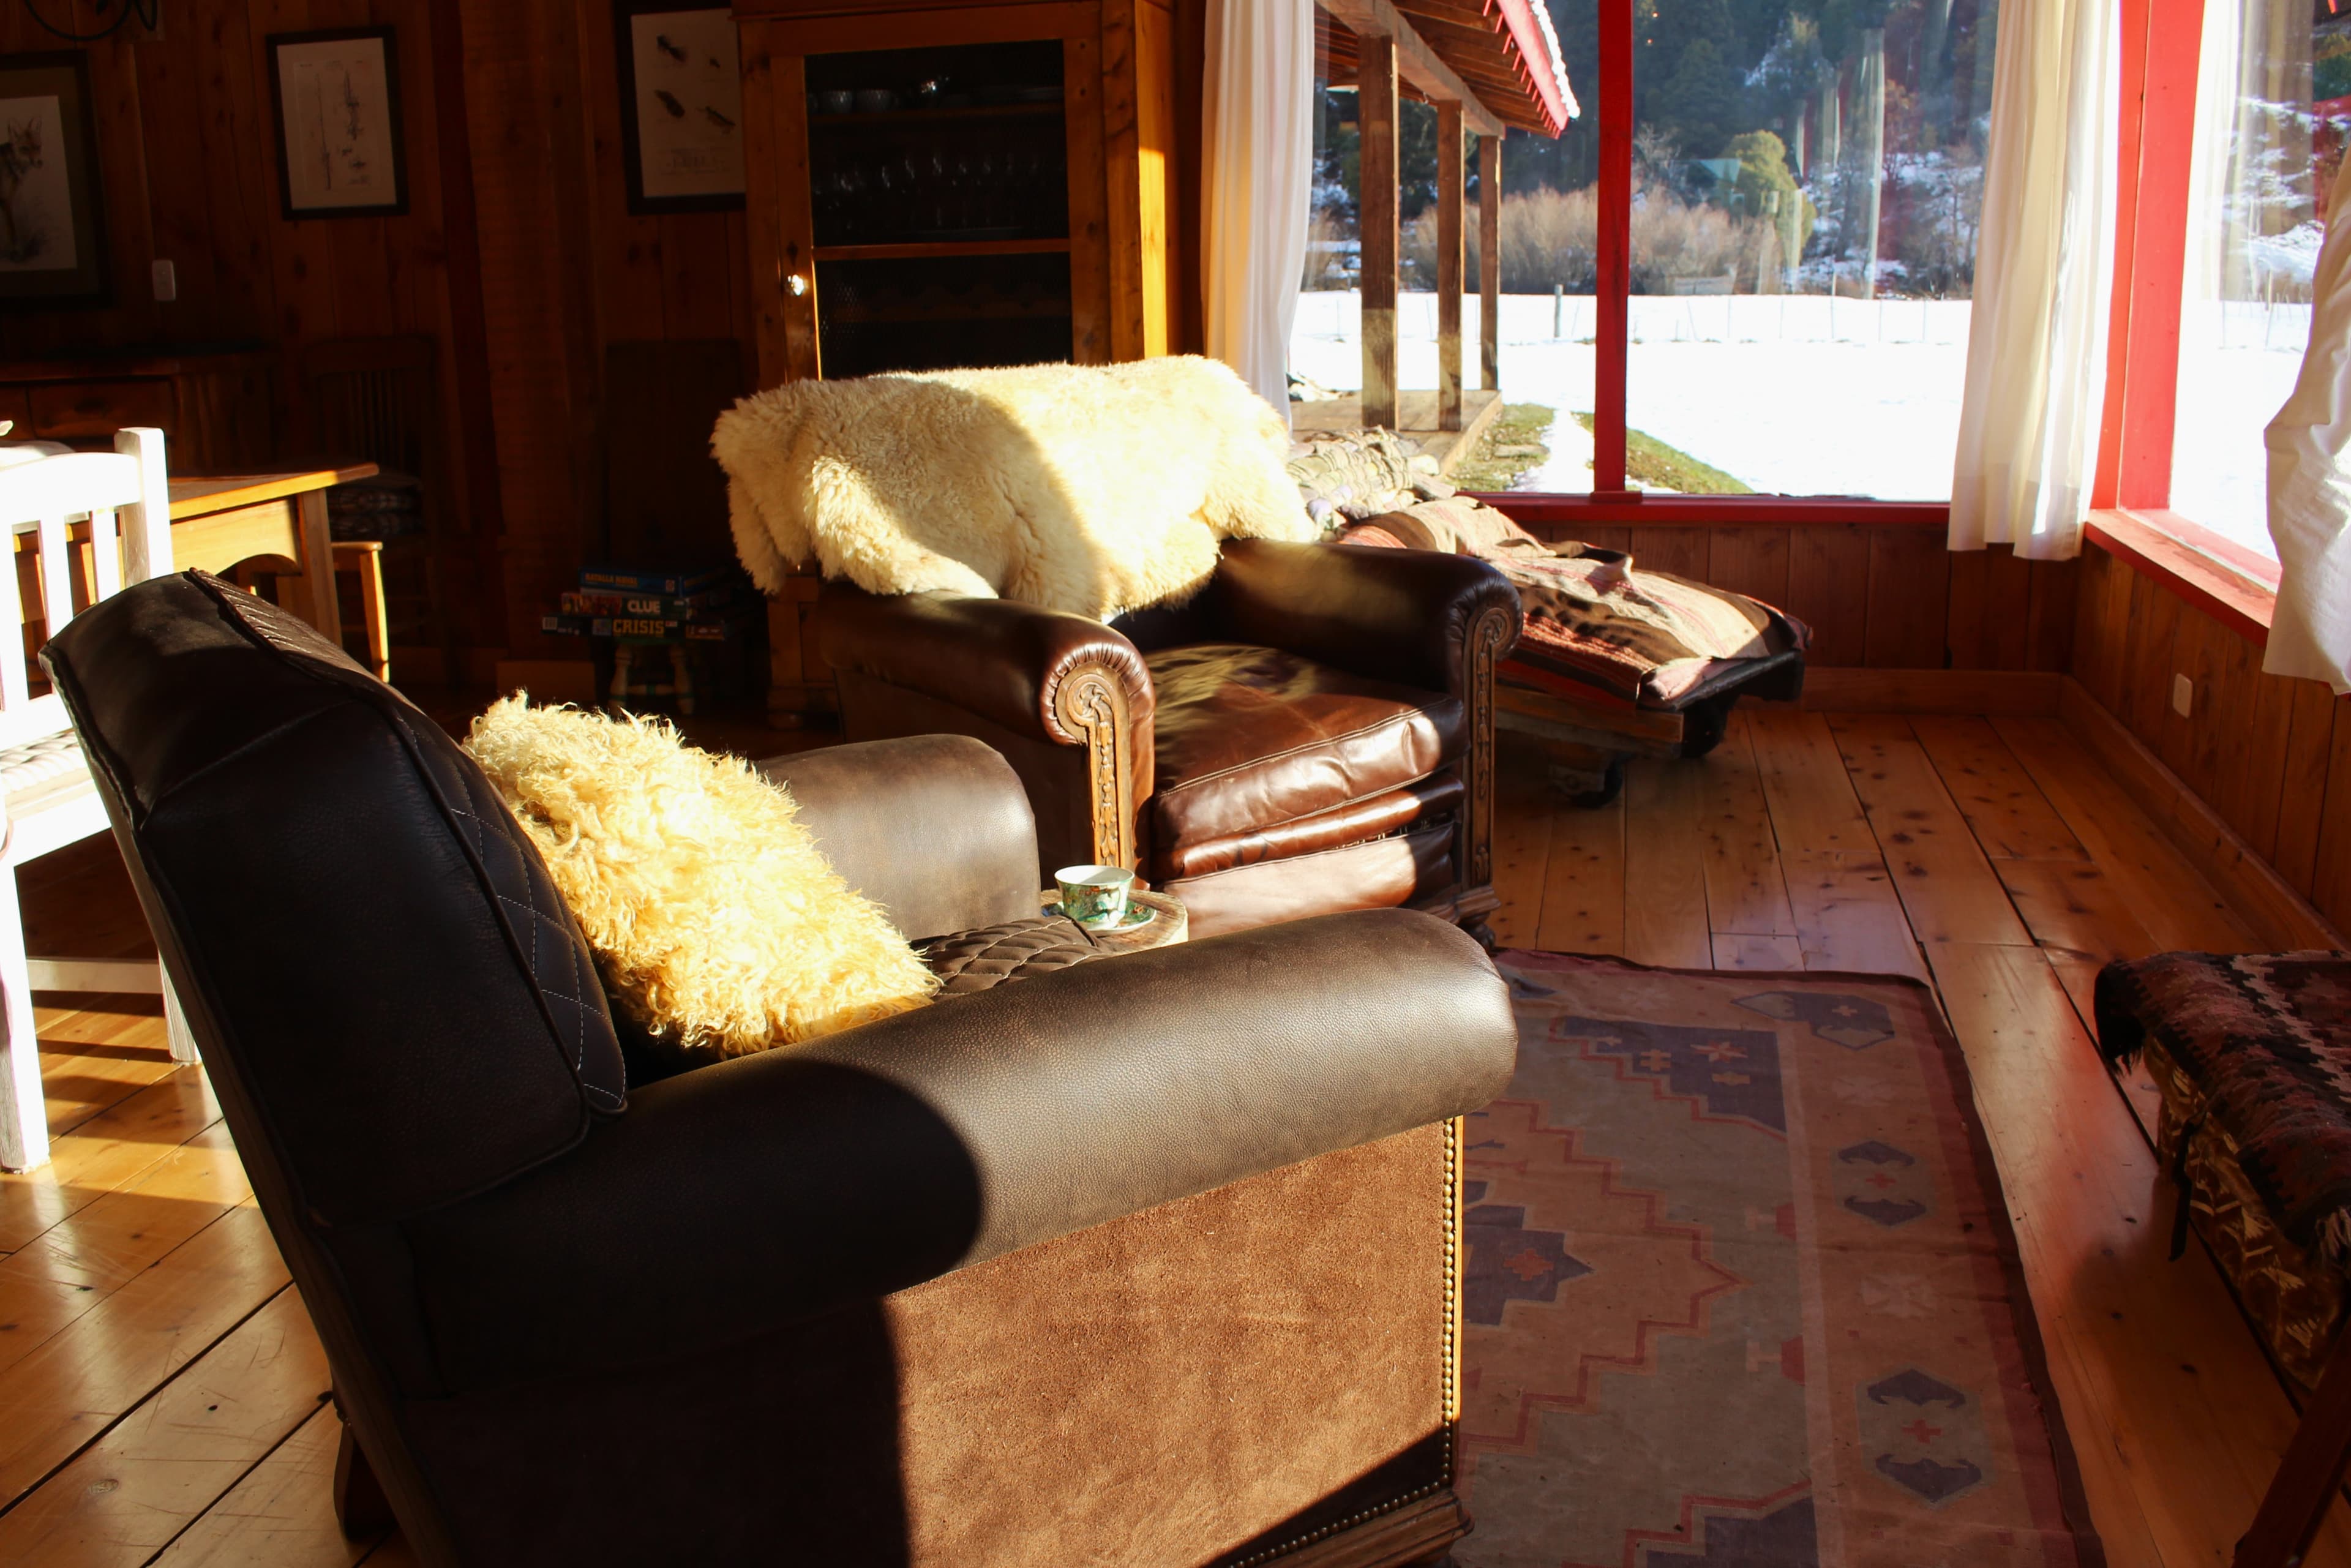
517, 255
2271, 756
188, 164
1877, 595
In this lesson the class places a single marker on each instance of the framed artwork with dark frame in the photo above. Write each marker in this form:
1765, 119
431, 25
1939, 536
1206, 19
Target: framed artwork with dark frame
335, 96
52, 212
681, 105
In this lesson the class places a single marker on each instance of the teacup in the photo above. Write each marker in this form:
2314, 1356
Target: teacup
1094, 896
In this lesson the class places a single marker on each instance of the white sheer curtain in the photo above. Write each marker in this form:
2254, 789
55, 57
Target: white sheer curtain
1257, 153
2037, 342
2310, 478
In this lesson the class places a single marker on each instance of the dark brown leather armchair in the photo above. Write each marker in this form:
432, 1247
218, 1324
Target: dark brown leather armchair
1154, 1259
1313, 732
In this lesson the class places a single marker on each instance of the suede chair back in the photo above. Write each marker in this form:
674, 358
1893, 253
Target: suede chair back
473, 1038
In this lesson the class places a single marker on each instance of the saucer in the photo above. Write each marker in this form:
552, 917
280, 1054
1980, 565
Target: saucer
1138, 915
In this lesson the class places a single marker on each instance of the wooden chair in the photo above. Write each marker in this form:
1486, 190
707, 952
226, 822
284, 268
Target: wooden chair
48, 798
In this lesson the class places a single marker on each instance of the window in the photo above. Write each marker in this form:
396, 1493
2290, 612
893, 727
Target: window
1546, 333
1806, 186
2273, 102
1801, 213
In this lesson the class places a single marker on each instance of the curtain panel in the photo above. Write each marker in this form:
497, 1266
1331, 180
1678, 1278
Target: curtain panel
2037, 343
2310, 481
1257, 156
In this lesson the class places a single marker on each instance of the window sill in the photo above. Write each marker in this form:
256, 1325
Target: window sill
1533, 509
2223, 579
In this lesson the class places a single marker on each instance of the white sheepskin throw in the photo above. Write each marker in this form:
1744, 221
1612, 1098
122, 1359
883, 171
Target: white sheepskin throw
1089, 489
720, 928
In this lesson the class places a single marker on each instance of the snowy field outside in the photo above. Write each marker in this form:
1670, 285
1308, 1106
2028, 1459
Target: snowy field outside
1810, 395
2236, 364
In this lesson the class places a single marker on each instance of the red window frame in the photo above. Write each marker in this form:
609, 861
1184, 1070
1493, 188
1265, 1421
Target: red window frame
2159, 42
1611, 499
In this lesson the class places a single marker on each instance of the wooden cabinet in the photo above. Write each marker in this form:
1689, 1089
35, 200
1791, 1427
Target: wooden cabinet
216, 411
961, 184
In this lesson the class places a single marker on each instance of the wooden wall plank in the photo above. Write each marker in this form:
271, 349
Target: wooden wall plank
2304, 785
2189, 743
1752, 562
1964, 618
1828, 590
2330, 881
2102, 627
2053, 599
171, 88
2144, 684
235, 130
1682, 551
2250, 715
627, 250
1909, 593
2005, 640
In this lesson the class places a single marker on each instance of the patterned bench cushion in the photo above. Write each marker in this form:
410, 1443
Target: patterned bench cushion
2252, 1054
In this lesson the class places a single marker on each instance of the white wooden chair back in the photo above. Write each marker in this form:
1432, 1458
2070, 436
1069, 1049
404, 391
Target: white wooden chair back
125, 497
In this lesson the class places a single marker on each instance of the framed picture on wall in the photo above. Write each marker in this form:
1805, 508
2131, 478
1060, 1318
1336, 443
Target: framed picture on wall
336, 98
681, 106
52, 218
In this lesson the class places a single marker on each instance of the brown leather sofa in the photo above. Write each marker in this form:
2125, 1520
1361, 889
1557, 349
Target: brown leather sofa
1313, 732
1153, 1260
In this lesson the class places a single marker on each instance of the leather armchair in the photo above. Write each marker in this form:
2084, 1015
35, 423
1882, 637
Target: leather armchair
1313, 732
1152, 1259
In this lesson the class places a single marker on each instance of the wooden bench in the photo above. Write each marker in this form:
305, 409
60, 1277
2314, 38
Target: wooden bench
2252, 1054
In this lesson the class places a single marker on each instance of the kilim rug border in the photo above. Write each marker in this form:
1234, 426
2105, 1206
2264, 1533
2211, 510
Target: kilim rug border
1742, 1288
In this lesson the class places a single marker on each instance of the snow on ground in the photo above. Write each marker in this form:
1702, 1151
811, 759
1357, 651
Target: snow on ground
1806, 394
2235, 371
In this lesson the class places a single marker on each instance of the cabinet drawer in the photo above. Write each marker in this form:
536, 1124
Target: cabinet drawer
71, 411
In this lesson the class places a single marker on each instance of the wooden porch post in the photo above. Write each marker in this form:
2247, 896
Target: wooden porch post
1449, 178
1489, 261
1375, 93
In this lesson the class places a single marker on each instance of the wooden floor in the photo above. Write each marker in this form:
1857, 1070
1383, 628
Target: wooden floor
162, 1391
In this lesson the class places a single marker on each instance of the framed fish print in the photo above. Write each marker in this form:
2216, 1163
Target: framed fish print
52, 221
335, 96
681, 106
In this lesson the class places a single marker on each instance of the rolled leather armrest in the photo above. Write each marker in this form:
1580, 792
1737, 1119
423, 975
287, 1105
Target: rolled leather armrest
1000, 659
766, 1190
1393, 615
936, 829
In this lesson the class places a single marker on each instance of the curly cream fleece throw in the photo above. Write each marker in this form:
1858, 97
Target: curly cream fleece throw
1090, 488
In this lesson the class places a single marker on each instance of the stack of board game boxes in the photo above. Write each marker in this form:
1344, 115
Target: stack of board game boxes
654, 620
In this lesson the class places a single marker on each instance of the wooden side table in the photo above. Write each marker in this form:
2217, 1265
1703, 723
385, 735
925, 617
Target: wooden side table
1166, 931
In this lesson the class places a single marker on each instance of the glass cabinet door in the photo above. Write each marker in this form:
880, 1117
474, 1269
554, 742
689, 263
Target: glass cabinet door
938, 185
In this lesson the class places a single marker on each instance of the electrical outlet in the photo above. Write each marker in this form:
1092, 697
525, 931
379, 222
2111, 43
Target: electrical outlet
167, 282
2183, 696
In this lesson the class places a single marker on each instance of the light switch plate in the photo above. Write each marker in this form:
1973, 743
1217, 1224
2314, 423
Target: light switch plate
2183, 696
167, 281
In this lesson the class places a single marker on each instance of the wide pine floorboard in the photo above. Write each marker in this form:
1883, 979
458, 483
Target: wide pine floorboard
162, 1391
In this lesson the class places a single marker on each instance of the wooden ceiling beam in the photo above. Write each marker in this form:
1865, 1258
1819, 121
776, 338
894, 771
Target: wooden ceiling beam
1416, 63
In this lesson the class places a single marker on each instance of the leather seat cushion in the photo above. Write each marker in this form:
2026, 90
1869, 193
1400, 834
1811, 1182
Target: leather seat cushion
992, 956
1438, 795
1249, 738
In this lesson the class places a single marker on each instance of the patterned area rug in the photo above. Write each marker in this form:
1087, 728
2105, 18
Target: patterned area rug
1741, 1291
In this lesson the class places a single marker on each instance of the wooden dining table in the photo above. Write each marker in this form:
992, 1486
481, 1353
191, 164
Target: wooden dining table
219, 521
